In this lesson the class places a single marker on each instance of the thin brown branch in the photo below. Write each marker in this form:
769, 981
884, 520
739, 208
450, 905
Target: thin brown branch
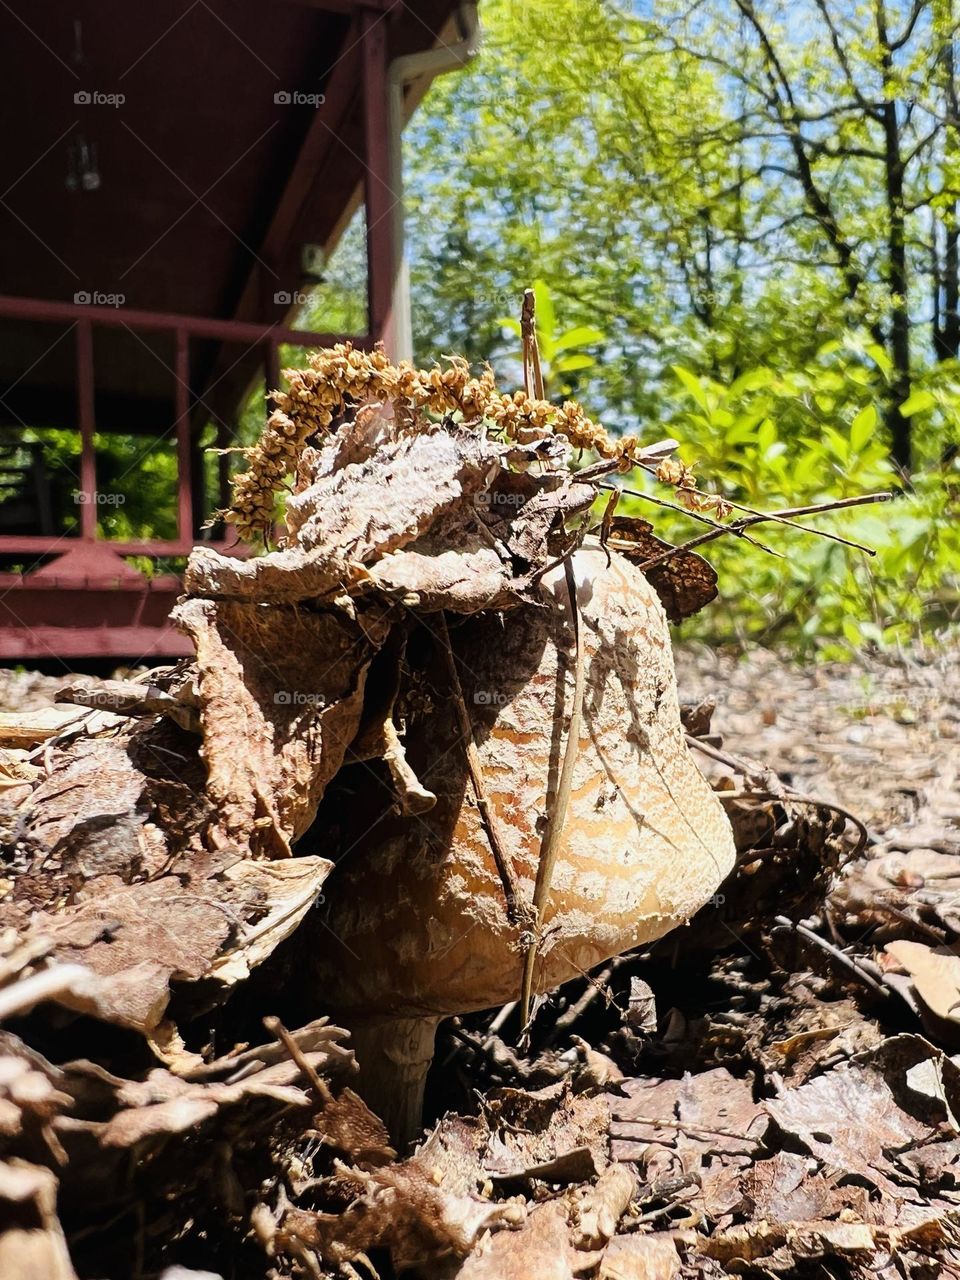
847, 962
484, 808
686, 511
787, 795
786, 516
557, 816
319, 1085
685, 1126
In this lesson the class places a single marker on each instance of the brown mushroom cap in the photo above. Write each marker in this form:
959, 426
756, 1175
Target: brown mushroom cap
416, 901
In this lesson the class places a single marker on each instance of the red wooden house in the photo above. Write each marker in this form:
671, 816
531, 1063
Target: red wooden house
171, 176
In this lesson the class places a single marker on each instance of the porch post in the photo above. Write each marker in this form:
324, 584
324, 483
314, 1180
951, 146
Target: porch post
378, 194
181, 403
86, 416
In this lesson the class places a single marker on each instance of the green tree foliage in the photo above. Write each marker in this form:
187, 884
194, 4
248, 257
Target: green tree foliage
754, 206
779, 440
533, 164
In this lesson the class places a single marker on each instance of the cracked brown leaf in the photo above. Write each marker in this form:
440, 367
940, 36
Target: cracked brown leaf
861, 1113
685, 583
104, 810
351, 516
136, 939
705, 1127
281, 695
789, 1188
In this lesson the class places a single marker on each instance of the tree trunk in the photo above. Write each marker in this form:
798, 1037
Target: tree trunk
946, 284
897, 268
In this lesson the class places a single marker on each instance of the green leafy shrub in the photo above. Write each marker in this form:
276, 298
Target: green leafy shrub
772, 440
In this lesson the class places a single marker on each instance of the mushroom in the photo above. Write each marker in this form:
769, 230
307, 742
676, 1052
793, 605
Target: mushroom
417, 904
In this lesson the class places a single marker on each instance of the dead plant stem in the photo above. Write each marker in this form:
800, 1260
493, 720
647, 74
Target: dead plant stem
787, 796
504, 866
686, 511
532, 371
738, 526
557, 816
845, 961
320, 1086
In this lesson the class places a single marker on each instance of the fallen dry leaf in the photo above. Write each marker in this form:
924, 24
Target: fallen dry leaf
705, 1128
277, 720
540, 1250
640, 1257
935, 973
32, 1244
347, 1124
137, 938
548, 1133
401, 1207
861, 1112
28, 728
685, 582
354, 512
790, 1188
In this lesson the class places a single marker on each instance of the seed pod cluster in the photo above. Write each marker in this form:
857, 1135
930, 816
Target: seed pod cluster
341, 378
314, 396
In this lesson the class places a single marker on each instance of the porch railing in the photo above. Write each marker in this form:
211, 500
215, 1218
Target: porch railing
85, 318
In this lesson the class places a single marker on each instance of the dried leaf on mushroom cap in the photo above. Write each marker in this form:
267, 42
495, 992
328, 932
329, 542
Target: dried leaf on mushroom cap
685, 582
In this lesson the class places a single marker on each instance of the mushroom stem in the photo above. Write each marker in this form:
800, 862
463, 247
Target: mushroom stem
394, 1056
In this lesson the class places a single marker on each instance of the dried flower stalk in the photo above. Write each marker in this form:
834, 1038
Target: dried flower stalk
342, 377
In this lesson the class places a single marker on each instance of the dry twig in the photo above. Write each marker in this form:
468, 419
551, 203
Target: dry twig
555, 821
781, 517
504, 867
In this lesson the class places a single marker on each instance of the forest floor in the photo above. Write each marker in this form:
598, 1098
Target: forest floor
819, 1013
880, 738
769, 1092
